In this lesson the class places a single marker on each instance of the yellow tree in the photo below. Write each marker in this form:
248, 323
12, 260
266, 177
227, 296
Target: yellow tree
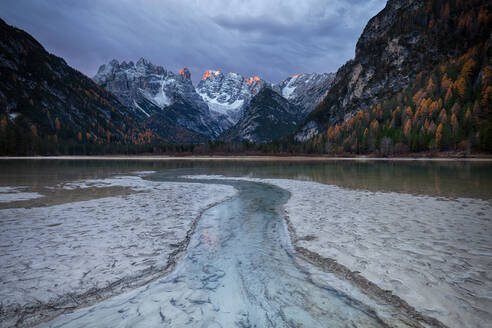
439, 135
486, 101
408, 128
329, 133
446, 82
374, 128
460, 86
430, 86
467, 69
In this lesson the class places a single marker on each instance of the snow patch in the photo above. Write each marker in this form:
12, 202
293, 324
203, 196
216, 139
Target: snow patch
136, 105
12, 116
223, 108
161, 98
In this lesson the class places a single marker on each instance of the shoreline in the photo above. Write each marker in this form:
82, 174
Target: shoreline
299, 158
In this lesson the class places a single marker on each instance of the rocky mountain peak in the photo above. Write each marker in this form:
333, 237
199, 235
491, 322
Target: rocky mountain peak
151, 90
305, 90
211, 73
252, 79
268, 116
185, 72
228, 93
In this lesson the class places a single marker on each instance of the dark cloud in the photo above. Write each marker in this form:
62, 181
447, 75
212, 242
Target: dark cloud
272, 39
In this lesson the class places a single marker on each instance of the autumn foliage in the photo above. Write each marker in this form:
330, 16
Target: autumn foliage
448, 108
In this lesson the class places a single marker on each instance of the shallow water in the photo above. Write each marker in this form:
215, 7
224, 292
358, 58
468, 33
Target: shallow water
239, 271
435, 178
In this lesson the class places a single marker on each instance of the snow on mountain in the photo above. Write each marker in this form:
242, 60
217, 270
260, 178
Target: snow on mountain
216, 104
228, 94
151, 90
129, 82
305, 90
267, 117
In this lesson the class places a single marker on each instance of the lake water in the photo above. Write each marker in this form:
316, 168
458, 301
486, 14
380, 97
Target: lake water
240, 269
435, 178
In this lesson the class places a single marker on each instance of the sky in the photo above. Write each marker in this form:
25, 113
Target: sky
272, 39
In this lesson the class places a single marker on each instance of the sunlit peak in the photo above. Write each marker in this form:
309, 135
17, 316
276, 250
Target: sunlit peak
209, 73
251, 80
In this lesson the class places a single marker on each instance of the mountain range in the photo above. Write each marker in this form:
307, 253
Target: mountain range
420, 80
217, 104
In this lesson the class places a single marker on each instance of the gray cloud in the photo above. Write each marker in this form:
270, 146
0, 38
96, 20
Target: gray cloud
272, 39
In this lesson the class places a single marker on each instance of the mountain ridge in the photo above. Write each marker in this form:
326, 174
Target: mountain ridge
219, 99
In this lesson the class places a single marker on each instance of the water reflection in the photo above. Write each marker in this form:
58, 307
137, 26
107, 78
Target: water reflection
441, 178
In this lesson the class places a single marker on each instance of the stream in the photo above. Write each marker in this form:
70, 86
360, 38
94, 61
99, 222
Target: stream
239, 271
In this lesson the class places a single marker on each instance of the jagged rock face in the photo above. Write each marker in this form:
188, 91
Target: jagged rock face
185, 73
41, 95
384, 62
228, 94
268, 117
151, 90
401, 41
393, 48
305, 90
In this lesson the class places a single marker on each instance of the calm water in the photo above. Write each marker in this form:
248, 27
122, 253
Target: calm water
240, 270
437, 178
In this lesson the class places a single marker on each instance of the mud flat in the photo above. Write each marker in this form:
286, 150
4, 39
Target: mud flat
240, 270
57, 258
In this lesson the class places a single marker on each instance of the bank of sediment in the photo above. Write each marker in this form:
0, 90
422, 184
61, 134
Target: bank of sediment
79, 253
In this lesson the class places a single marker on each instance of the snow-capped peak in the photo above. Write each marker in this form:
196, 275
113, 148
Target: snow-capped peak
305, 90
228, 94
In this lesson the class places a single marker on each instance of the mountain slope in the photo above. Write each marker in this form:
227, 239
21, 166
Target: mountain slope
44, 102
305, 90
151, 90
228, 94
267, 117
407, 37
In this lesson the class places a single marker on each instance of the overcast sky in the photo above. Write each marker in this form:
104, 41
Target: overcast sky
272, 39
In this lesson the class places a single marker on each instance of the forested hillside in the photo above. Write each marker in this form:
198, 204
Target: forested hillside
47, 107
448, 108
423, 83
